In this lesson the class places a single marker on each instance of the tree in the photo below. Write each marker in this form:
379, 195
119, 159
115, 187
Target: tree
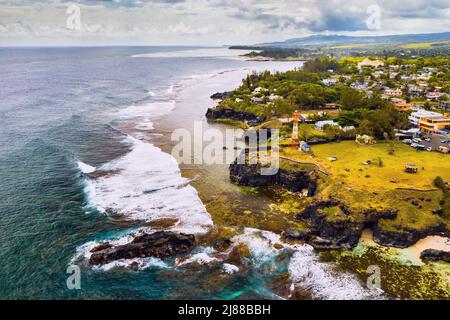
352, 99
304, 132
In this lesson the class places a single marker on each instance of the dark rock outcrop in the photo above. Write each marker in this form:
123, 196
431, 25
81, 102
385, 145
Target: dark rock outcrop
160, 244
222, 244
297, 235
101, 247
341, 233
250, 175
221, 95
231, 114
435, 255
406, 237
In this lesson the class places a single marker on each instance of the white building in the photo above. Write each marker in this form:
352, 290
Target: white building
415, 117
321, 124
330, 81
370, 63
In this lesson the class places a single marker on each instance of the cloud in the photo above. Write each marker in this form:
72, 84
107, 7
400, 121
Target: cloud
210, 21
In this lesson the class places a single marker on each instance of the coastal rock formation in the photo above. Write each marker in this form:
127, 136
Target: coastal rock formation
333, 226
297, 235
231, 114
221, 95
250, 175
406, 237
435, 255
160, 244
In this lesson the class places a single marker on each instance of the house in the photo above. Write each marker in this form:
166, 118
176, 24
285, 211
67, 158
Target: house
414, 118
370, 63
393, 75
330, 106
403, 106
321, 124
273, 97
412, 133
406, 78
444, 105
348, 128
330, 81
394, 67
434, 95
415, 91
259, 90
435, 124
364, 139
393, 92
257, 100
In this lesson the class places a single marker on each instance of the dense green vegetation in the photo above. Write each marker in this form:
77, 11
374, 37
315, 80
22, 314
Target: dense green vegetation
280, 94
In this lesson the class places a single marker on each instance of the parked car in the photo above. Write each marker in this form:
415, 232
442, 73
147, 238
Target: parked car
407, 141
429, 149
444, 141
420, 147
417, 140
428, 139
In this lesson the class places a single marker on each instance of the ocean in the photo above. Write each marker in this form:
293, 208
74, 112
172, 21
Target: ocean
78, 166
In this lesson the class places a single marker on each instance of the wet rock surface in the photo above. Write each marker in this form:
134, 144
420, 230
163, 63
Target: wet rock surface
406, 237
435, 255
160, 244
250, 175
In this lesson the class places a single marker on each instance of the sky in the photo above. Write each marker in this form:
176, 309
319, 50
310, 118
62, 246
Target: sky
210, 22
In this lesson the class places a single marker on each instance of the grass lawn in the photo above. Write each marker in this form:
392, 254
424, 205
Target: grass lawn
363, 187
349, 166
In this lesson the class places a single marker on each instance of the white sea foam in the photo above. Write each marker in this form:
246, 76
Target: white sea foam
230, 268
151, 93
148, 186
148, 110
200, 258
85, 168
306, 271
141, 264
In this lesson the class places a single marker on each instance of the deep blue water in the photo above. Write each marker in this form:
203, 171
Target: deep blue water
54, 111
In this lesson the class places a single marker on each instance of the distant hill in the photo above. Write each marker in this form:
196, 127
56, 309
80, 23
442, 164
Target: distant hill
339, 40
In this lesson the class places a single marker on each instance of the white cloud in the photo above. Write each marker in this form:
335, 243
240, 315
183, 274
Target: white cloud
209, 21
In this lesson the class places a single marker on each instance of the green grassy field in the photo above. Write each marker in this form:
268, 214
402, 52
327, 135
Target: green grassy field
424, 45
390, 174
381, 185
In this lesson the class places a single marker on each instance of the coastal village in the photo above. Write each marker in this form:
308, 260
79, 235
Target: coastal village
364, 141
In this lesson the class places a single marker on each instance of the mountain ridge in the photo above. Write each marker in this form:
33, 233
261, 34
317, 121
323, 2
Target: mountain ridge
333, 40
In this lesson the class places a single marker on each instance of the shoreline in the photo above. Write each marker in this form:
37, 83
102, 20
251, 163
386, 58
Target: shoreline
230, 206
